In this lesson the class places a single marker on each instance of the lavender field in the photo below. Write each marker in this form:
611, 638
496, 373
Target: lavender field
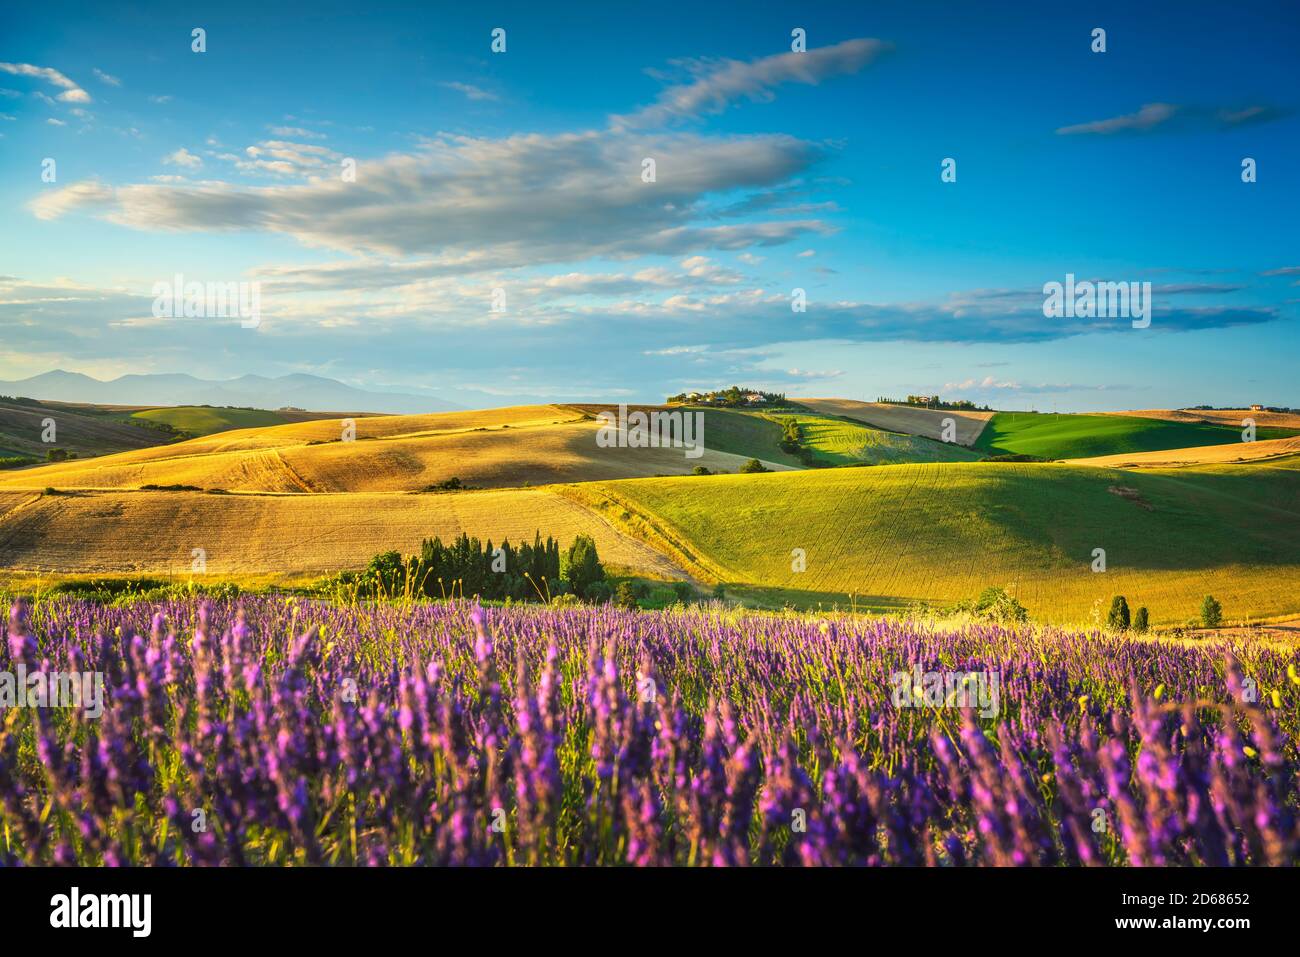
285, 732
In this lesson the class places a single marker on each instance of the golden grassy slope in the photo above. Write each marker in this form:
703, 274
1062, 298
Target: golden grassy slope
279, 536
1198, 455
1230, 417
903, 418
497, 448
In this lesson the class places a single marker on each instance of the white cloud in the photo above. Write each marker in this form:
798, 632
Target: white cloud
1170, 116
106, 78
71, 92
54, 203
183, 157
471, 91
283, 158
1150, 116
53, 122
814, 374
985, 384
297, 131
509, 202
719, 83
163, 98
676, 351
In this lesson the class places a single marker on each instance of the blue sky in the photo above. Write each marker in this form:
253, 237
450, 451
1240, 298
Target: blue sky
521, 171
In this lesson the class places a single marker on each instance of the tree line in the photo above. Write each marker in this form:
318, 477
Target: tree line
467, 566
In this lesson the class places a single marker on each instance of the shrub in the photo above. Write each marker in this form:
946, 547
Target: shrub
700, 470
56, 455
683, 592
386, 573
1118, 619
582, 565
662, 597
624, 597
1211, 612
599, 592
995, 604
791, 437
719, 591
754, 465
565, 601
1140, 619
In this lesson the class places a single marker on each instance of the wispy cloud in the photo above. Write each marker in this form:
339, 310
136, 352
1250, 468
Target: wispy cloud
1154, 116
514, 201
72, 93
297, 131
283, 158
719, 83
106, 77
470, 91
991, 386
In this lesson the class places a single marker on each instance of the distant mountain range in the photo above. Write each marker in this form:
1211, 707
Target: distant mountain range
298, 390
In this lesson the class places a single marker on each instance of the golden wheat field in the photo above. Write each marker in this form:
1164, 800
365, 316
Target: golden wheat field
903, 418
280, 536
1229, 417
499, 448
289, 502
1198, 455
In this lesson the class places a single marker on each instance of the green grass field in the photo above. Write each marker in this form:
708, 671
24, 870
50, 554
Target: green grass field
81, 430
1060, 436
747, 434
938, 533
202, 420
834, 441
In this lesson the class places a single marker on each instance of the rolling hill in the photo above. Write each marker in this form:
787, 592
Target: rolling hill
497, 448
282, 538
198, 420
79, 431
1230, 417
301, 501
1065, 436
904, 418
736, 432
943, 532
834, 441
1199, 455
